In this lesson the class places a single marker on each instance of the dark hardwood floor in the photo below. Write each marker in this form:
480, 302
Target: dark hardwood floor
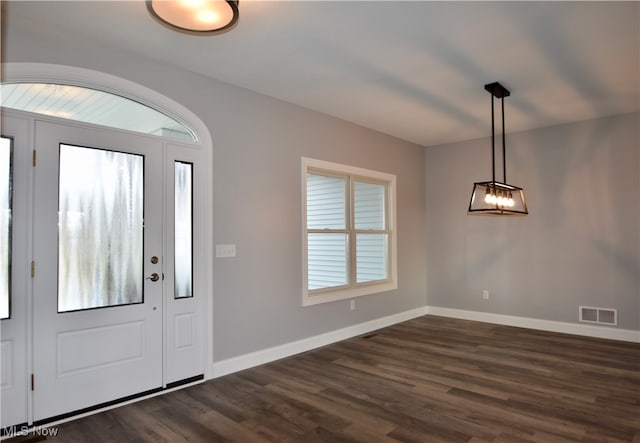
430, 379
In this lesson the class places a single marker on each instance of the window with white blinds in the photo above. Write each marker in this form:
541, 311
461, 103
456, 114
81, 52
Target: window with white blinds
349, 240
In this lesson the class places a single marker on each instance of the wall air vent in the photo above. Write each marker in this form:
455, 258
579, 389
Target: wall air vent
603, 316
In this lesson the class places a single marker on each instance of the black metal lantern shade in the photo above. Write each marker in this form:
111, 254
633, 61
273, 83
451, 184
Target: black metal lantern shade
493, 197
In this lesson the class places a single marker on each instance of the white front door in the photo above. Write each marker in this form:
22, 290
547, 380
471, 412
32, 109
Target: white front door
103, 266
98, 253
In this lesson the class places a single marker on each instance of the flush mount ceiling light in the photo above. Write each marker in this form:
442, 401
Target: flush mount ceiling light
195, 16
492, 197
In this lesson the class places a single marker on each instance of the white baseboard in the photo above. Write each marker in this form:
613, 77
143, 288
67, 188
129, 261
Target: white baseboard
263, 356
252, 359
534, 323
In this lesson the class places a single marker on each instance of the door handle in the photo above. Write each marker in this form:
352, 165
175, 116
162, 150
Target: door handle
153, 277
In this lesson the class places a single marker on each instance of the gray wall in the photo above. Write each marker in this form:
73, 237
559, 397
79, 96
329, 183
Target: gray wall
580, 243
258, 143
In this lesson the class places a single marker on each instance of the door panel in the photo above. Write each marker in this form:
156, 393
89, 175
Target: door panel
122, 343
15, 323
104, 341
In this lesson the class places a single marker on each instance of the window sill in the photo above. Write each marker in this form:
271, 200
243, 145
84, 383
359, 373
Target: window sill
342, 294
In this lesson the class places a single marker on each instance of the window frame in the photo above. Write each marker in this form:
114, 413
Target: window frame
352, 289
192, 216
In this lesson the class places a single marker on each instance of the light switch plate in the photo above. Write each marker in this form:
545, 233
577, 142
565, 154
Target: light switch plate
225, 251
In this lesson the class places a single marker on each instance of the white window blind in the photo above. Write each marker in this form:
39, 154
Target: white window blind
326, 202
369, 205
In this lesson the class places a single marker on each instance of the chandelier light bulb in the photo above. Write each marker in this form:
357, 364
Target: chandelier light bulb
487, 196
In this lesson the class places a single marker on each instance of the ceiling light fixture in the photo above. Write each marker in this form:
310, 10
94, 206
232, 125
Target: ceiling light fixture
492, 197
198, 17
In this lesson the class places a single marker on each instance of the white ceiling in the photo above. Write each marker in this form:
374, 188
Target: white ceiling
413, 69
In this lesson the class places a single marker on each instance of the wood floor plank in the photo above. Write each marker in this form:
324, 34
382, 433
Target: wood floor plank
348, 412
430, 379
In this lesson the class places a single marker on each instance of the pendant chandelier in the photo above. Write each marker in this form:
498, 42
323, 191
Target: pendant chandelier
200, 17
493, 197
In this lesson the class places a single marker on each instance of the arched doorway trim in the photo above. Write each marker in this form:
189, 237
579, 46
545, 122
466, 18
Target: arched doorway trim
68, 75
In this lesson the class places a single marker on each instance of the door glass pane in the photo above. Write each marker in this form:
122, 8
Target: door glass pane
325, 202
183, 230
327, 260
371, 257
369, 205
100, 228
5, 225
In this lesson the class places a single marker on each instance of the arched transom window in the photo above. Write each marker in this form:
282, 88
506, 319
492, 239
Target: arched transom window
92, 106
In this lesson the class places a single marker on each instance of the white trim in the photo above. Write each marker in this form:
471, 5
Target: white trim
263, 356
308, 162
343, 294
535, 323
246, 361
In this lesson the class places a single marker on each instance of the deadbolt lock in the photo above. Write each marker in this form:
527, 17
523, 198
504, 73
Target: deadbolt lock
154, 260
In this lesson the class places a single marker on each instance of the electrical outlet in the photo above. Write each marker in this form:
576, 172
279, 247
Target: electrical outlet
485, 294
352, 305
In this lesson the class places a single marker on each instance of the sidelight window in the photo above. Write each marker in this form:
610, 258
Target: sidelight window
183, 230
